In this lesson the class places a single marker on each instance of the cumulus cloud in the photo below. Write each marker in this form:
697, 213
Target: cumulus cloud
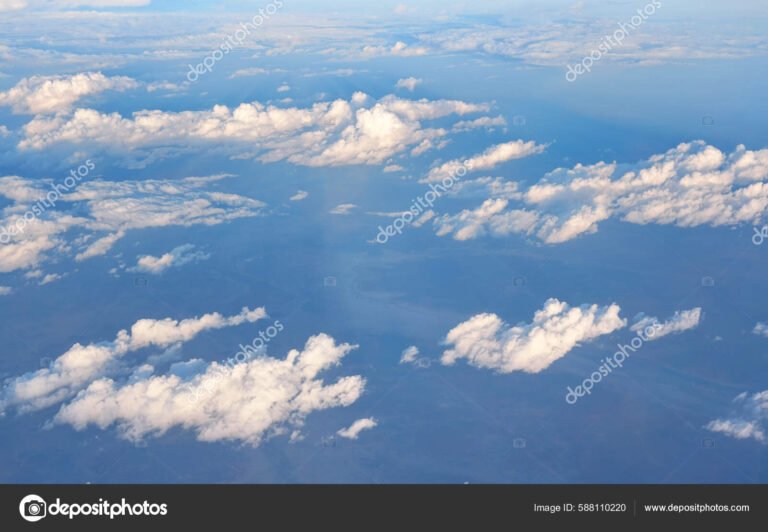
107, 210
300, 195
50, 94
177, 257
247, 402
486, 341
409, 354
690, 185
81, 364
354, 430
359, 131
750, 419
682, 320
408, 83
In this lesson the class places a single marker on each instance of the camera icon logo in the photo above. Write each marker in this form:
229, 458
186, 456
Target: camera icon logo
32, 508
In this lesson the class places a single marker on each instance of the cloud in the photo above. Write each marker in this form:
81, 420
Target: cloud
100, 246
50, 278
359, 131
107, 210
248, 72
12, 5
284, 88
343, 209
177, 257
490, 158
248, 402
81, 364
690, 185
409, 355
5, 290
354, 430
50, 94
683, 320
408, 83
750, 420
300, 195
484, 121
393, 168
761, 329
399, 49
486, 341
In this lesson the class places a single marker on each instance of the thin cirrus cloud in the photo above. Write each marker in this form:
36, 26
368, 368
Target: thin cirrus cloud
487, 341
690, 185
81, 364
51, 94
247, 402
338, 133
749, 420
176, 258
682, 320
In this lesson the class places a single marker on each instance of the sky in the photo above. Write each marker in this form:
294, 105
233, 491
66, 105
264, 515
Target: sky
301, 242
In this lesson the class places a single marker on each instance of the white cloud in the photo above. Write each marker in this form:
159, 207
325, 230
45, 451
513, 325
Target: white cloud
248, 72
49, 94
751, 420
353, 431
761, 329
490, 158
359, 131
343, 209
284, 88
393, 168
300, 195
12, 5
682, 320
100, 246
247, 402
177, 257
81, 364
484, 121
409, 354
108, 210
486, 341
399, 49
690, 185
408, 83
50, 278
5, 290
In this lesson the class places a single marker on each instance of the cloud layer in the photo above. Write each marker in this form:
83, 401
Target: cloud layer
690, 185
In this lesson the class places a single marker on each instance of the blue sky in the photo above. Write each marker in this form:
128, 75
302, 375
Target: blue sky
383, 244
